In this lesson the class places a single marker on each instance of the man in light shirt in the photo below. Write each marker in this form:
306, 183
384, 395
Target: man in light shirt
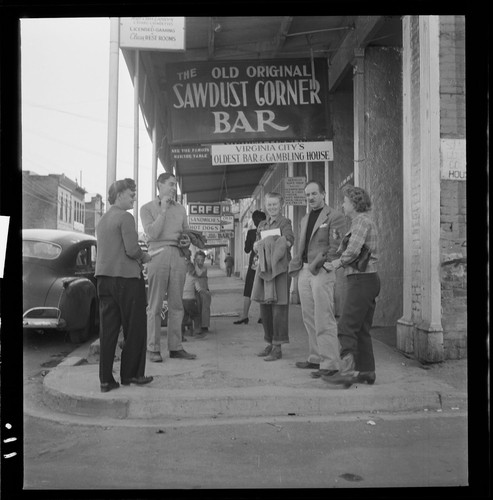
164, 220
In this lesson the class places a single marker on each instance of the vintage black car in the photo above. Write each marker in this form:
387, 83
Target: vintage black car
59, 288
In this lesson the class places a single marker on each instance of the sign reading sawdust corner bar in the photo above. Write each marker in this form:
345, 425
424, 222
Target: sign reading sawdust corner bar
228, 101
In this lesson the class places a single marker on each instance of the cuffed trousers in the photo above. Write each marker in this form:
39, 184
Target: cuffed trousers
356, 319
275, 322
122, 302
317, 309
166, 276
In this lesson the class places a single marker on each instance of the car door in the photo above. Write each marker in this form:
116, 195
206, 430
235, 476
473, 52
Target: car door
85, 262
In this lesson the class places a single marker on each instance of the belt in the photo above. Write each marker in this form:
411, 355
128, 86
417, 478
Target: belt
156, 251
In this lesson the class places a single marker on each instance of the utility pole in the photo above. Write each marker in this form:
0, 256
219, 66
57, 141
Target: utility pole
112, 104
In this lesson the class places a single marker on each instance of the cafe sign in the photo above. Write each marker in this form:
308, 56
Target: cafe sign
281, 100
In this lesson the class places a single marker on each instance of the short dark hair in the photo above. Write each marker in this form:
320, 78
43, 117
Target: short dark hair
273, 194
358, 197
199, 252
118, 187
258, 216
321, 187
164, 177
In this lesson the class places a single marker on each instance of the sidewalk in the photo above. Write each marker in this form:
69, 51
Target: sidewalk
228, 380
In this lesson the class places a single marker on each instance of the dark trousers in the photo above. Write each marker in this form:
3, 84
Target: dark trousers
275, 323
122, 302
353, 329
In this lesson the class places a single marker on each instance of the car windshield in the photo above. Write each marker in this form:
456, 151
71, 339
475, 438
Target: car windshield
41, 249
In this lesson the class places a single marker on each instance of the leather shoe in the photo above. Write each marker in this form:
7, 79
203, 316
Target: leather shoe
240, 321
368, 377
199, 335
108, 386
266, 351
275, 353
321, 373
138, 380
347, 380
182, 354
307, 364
155, 357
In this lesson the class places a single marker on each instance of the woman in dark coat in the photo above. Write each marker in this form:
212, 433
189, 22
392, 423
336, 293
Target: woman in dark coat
257, 217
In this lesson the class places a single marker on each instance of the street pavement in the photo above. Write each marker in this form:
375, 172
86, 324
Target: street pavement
228, 379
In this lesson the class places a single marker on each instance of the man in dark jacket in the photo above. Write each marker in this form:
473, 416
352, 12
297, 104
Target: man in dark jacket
121, 290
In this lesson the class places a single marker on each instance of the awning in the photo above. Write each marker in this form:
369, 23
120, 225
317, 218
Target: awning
334, 38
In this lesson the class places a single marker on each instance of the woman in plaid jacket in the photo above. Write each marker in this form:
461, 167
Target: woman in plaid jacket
363, 286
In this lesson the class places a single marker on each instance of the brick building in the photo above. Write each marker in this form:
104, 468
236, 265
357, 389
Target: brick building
399, 132
94, 211
52, 202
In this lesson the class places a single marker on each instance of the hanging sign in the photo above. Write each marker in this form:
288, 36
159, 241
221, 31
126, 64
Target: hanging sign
152, 33
294, 191
211, 218
274, 152
234, 101
191, 152
453, 159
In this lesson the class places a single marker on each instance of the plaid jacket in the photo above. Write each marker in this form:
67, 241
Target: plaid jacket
363, 231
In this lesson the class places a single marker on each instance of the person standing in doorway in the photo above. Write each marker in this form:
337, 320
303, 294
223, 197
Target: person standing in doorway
229, 261
202, 292
164, 220
363, 287
250, 239
121, 290
321, 232
271, 285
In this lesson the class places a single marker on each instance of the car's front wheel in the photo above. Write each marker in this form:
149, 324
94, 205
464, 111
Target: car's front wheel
80, 335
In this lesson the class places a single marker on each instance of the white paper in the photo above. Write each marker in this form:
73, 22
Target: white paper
270, 232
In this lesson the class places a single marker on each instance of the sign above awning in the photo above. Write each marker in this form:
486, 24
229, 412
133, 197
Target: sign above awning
152, 33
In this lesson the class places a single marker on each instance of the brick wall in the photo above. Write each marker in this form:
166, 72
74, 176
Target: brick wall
453, 192
39, 202
452, 77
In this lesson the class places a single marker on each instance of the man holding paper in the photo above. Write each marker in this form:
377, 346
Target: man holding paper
271, 284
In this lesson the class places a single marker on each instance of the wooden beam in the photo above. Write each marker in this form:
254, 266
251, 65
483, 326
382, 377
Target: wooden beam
281, 35
211, 37
365, 28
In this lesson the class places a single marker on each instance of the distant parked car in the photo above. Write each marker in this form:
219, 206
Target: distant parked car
59, 287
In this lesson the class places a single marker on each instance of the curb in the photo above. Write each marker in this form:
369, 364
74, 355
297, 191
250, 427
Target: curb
263, 401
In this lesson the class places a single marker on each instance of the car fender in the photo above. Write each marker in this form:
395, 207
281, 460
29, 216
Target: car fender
74, 297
